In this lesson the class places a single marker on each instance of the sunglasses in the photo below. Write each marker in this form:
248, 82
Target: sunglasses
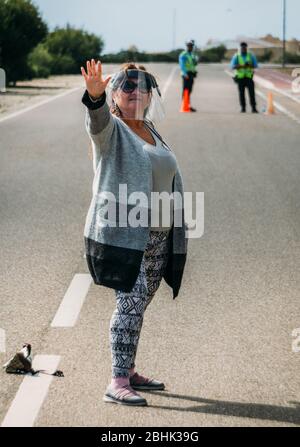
124, 81
129, 86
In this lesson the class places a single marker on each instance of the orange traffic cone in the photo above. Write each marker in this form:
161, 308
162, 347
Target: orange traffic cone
185, 106
270, 106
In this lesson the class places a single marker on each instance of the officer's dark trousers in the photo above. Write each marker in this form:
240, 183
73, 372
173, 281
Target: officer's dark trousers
188, 83
249, 84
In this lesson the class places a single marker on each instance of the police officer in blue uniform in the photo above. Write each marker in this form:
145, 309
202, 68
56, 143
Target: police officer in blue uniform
188, 61
244, 64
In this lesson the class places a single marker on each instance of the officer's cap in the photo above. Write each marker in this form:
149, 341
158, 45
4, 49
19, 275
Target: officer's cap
190, 43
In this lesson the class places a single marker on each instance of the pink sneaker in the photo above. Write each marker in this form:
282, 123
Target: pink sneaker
139, 382
124, 395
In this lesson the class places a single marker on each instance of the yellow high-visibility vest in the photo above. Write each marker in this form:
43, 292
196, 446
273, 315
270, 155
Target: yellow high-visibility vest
245, 72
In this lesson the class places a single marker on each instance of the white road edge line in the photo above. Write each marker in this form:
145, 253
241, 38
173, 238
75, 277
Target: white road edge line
70, 307
168, 83
276, 104
35, 106
280, 108
31, 393
262, 82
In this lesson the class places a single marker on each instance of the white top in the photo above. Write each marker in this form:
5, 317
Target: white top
164, 167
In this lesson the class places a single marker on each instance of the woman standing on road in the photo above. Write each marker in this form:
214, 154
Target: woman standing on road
132, 259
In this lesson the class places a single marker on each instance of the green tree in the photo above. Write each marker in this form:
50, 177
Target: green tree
40, 61
21, 29
138, 56
215, 54
71, 47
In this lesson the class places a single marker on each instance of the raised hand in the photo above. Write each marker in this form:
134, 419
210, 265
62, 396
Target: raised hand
95, 84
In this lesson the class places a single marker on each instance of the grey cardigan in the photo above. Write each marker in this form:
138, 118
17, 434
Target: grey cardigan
114, 254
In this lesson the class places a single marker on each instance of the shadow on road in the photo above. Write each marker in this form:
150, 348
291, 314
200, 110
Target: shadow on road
34, 87
22, 93
236, 409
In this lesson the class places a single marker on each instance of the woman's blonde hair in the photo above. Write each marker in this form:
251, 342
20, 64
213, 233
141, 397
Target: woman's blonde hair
114, 107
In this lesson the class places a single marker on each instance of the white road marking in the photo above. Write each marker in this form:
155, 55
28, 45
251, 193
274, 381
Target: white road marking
269, 85
72, 302
280, 108
229, 73
35, 106
168, 83
31, 393
265, 83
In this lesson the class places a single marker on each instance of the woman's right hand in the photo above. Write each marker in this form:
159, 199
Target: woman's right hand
95, 84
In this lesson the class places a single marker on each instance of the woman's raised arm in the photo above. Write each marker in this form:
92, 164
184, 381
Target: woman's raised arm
99, 120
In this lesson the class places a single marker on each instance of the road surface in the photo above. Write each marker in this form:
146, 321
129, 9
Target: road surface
223, 347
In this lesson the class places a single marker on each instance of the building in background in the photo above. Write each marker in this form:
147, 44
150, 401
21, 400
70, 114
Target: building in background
267, 48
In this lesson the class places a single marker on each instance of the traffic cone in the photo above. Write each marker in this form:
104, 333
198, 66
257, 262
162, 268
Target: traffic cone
270, 106
185, 106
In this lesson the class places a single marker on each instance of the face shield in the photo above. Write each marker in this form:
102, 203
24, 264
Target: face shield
134, 94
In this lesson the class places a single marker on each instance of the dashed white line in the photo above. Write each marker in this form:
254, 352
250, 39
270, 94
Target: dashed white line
72, 302
31, 393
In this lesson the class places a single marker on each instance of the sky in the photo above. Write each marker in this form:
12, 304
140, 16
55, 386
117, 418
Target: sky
149, 24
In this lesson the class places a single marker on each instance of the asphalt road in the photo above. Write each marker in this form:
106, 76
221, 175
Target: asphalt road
223, 347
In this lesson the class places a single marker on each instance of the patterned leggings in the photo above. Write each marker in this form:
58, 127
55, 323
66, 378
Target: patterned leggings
127, 318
